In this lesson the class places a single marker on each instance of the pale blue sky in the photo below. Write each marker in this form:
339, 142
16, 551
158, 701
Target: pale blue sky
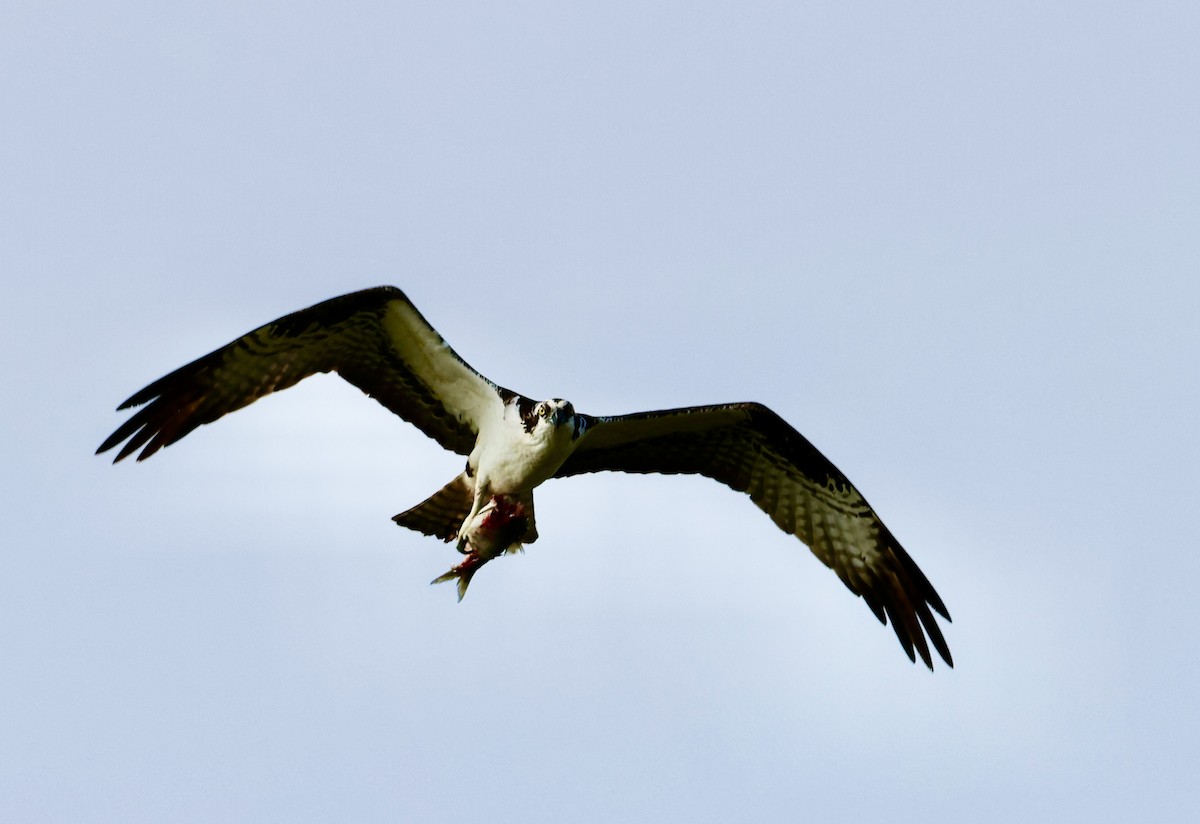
954, 245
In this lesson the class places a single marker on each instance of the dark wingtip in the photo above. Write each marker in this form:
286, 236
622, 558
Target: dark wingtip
132, 428
922, 597
109, 442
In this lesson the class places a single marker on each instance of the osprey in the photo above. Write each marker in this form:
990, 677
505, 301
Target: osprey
378, 341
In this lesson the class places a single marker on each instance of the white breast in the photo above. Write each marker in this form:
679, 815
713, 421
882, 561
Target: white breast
508, 460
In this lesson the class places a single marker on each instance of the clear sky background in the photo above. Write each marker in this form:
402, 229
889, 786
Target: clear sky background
956, 245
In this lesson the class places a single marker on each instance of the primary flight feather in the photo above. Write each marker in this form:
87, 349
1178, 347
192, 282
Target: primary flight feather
378, 341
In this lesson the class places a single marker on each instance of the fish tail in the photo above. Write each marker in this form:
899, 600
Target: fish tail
463, 572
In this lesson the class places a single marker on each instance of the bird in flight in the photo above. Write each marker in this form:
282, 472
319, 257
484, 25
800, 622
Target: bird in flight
378, 341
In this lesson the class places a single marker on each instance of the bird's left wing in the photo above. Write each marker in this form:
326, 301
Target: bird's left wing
749, 448
375, 339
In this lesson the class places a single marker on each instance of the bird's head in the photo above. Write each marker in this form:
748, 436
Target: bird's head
557, 411
551, 415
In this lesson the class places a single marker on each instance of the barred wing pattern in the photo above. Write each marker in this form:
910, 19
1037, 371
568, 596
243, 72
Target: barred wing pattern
375, 339
751, 449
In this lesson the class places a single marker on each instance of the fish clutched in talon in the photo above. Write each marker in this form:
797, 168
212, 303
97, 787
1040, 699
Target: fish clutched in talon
499, 528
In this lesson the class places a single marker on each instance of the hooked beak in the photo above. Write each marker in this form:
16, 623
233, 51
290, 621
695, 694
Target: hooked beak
562, 414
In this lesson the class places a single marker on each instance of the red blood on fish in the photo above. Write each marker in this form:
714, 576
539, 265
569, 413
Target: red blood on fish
506, 522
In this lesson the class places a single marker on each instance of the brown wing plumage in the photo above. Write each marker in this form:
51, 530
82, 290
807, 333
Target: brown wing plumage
751, 449
375, 339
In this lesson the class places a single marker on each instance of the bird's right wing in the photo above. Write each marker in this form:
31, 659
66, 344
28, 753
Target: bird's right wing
375, 339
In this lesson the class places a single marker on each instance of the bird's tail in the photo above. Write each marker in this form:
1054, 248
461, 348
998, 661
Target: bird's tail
442, 513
